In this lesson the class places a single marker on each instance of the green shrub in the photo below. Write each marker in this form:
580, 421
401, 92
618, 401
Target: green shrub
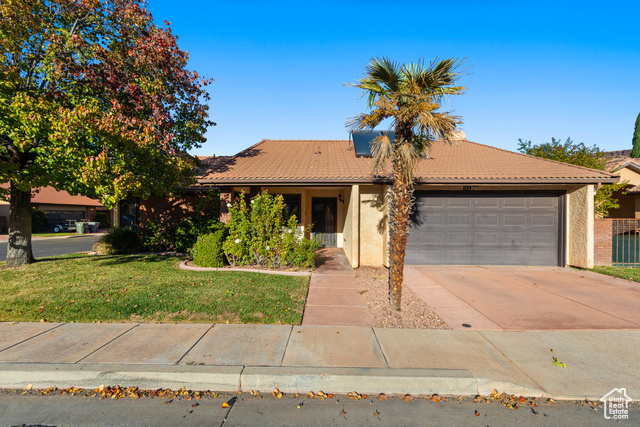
119, 240
303, 253
104, 219
169, 235
258, 235
38, 220
207, 252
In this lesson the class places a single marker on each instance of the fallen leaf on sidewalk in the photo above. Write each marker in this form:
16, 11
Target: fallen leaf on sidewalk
558, 363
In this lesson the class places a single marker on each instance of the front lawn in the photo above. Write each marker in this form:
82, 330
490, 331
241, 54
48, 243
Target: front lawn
134, 288
61, 234
622, 272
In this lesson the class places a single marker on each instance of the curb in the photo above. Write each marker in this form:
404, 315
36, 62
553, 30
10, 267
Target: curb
183, 266
458, 382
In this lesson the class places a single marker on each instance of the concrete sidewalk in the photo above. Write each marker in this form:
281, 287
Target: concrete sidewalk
306, 358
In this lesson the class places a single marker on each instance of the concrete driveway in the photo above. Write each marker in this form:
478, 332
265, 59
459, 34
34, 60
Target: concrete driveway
526, 298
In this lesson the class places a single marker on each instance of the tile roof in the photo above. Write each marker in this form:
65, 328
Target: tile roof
619, 159
51, 196
317, 162
633, 190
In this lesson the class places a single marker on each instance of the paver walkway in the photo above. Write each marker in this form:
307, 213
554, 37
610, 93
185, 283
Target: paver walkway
334, 298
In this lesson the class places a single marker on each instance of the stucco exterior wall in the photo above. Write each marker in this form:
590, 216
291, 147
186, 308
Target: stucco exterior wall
580, 224
373, 225
348, 242
629, 175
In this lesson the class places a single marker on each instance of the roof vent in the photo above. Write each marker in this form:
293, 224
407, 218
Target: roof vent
362, 140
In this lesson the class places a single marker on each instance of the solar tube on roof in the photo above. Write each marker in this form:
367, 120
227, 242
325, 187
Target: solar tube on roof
362, 140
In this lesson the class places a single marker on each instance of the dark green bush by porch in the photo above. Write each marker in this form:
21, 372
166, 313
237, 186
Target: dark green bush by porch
119, 241
180, 236
207, 252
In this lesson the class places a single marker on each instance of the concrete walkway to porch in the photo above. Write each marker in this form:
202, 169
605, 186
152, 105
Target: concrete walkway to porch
334, 298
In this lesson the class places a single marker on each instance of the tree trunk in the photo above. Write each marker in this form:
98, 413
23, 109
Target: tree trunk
19, 250
399, 222
399, 229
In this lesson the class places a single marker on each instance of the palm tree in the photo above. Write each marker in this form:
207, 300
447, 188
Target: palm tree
409, 95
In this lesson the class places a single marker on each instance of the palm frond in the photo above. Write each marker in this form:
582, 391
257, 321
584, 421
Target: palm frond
437, 125
386, 72
406, 157
422, 143
382, 151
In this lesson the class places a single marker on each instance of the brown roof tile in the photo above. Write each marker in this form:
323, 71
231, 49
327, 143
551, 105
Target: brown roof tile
289, 161
51, 196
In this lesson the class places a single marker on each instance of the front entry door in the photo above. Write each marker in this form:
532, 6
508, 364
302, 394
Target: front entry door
324, 217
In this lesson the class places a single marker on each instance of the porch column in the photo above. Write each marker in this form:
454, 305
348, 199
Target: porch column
355, 224
580, 251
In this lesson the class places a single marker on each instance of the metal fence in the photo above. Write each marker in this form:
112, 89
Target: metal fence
626, 242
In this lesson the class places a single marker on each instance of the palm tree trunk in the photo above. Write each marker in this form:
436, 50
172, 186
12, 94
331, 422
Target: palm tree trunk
399, 225
399, 229
19, 250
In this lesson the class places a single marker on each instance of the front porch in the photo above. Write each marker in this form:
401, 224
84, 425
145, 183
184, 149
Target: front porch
351, 217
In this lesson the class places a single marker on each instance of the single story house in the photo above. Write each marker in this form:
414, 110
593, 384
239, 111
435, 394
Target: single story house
58, 205
474, 204
628, 169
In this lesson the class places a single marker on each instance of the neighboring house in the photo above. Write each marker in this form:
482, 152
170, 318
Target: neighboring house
628, 169
475, 204
58, 205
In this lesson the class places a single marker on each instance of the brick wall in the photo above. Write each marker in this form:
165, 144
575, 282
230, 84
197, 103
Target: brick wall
176, 208
602, 241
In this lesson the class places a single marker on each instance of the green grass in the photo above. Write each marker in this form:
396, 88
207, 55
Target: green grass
53, 234
622, 272
79, 288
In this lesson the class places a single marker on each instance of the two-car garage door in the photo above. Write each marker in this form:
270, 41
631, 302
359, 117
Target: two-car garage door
486, 229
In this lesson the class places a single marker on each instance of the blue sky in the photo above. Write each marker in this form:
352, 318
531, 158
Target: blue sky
536, 69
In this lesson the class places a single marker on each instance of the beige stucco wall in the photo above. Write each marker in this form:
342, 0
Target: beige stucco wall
629, 175
373, 225
349, 228
580, 219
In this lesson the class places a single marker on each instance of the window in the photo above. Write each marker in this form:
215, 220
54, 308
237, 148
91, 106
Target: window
292, 206
129, 212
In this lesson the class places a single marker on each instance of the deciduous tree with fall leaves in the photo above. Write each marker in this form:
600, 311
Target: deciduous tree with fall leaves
95, 99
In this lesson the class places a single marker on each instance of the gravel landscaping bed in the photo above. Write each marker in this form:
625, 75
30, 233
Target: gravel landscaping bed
415, 314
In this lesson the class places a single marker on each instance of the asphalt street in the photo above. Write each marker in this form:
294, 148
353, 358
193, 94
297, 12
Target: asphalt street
246, 410
56, 246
